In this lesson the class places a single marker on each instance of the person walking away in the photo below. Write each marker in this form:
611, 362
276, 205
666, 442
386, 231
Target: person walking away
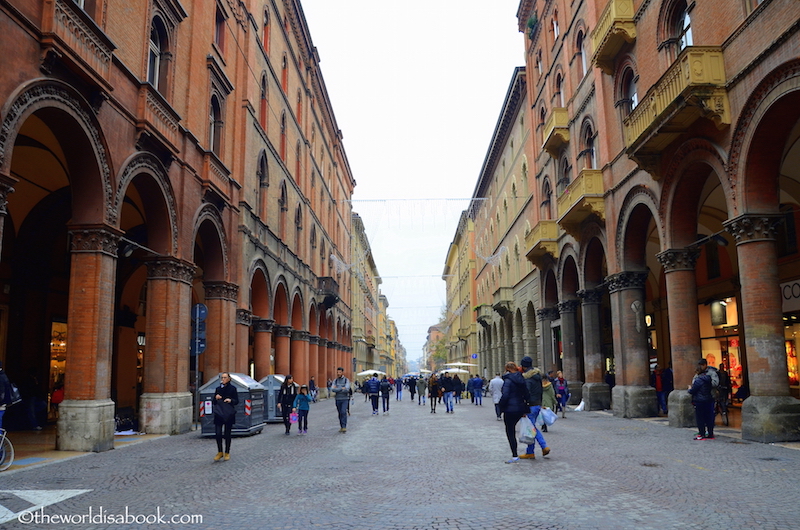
226, 397
458, 388
724, 387
533, 380
386, 393
422, 387
412, 387
562, 390
328, 386
703, 401
477, 390
341, 389
433, 392
448, 387
548, 398
286, 395
496, 390
657, 382
513, 405
312, 389
302, 406
399, 383
373, 390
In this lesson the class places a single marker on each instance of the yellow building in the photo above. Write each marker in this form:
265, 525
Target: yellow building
459, 275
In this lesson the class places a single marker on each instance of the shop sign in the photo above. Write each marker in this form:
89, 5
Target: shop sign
790, 296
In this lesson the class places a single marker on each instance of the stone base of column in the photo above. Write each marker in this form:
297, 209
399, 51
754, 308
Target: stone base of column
85, 425
596, 396
768, 419
169, 413
576, 392
681, 410
634, 401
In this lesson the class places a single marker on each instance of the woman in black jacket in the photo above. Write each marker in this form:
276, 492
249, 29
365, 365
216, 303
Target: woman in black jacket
286, 396
225, 400
513, 404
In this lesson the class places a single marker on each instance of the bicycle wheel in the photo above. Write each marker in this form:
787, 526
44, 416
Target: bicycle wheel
724, 413
6, 454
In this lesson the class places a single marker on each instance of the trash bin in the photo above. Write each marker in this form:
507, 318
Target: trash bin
249, 411
272, 386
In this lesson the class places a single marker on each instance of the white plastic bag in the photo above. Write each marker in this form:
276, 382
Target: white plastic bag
581, 406
527, 432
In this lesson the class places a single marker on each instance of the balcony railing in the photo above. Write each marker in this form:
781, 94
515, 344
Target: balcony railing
328, 288
615, 27
542, 240
582, 198
693, 87
157, 117
80, 43
484, 315
556, 131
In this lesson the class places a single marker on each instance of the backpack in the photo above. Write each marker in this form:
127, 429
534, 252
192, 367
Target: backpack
714, 377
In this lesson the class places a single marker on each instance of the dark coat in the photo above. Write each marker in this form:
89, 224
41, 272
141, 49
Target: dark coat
225, 413
533, 380
701, 388
515, 394
447, 384
286, 396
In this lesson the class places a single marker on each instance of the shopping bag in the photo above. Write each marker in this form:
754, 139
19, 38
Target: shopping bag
293, 417
548, 416
527, 432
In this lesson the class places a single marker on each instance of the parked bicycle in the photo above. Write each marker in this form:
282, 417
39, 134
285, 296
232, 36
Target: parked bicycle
6, 451
721, 404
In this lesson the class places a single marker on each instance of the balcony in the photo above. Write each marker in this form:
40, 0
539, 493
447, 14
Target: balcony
216, 176
503, 301
692, 88
157, 118
556, 131
582, 198
329, 290
484, 315
72, 36
615, 27
542, 240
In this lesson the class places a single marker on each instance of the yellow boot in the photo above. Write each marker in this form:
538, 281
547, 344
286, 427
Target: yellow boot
218, 457
227, 456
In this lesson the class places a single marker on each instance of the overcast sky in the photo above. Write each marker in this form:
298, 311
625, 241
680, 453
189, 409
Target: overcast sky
416, 87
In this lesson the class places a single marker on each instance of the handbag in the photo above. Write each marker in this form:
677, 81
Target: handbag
224, 411
293, 417
548, 416
527, 432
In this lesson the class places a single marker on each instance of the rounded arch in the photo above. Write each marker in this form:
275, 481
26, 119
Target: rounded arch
568, 272
62, 108
313, 318
280, 303
592, 258
210, 246
149, 177
549, 287
637, 212
298, 313
259, 290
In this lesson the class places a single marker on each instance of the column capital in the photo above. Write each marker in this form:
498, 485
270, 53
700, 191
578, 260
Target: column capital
299, 334
753, 227
168, 268
547, 313
568, 306
590, 296
313, 339
263, 325
95, 238
323, 343
626, 280
5, 189
221, 291
244, 317
282, 331
679, 259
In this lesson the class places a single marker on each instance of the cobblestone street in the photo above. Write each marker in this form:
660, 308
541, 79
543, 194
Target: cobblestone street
415, 470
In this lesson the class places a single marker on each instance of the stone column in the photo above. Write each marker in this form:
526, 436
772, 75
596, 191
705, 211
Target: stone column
544, 319
299, 356
770, 414
282, 349
326, 368
334, 360
244, 321
165, 407
313, 358
684, 329
632, 397
86, 416
220, 298
262, 347
596, 392
571, 364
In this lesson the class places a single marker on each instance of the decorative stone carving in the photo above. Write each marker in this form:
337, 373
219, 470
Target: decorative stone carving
313, 339
547, 313
590, 296
299, 334
170, 269
626, 280
244, 317
679, 259
222, 291
263, 325
568, 306
282, 331
753, 227
95, 239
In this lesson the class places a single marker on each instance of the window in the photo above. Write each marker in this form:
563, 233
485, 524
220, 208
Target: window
263, 183
156, 69
539, 66
683, 27
263, 104
547, 199
283, 206
630, 98
299, 107
559, 91
298, 166
215, 126
542, 119
283, 137
219, 30
581, 46
566, 176
285, 74
555, 26
589, 157
266, 32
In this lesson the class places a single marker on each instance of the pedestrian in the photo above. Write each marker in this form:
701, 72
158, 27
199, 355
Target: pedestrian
373, 391
226, 397
548, 398
477, 390
5, 393
513, 405
448, 387
433, 392
328, 386
286, 395
341, 389
386, 392
422, 388
533, 380
399, 383
703, 401
458, 388
312, 389
562, 390
724, 387
412, 387
496, 389
32, 401
661, 380
302, 406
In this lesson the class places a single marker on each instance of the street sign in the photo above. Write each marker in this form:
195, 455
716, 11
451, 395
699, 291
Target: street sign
198, 344
474, 355
199, 312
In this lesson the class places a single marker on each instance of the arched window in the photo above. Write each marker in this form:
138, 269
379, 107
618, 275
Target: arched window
547, 199
565, 175
589, 155
542, 119
298, 166
283, 137
265, 37
539, 66
559, 90
285, 74
299, 107
630, 98
263, 104
580, 44
215, 126
263, 183
156, 64
682, 27
555, 25
283, 207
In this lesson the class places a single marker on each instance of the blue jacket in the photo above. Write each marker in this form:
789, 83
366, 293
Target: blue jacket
373, 385
701, 388
515, 394
301, 402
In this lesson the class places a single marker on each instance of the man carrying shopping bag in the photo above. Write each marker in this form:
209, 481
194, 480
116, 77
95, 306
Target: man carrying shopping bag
533, 380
